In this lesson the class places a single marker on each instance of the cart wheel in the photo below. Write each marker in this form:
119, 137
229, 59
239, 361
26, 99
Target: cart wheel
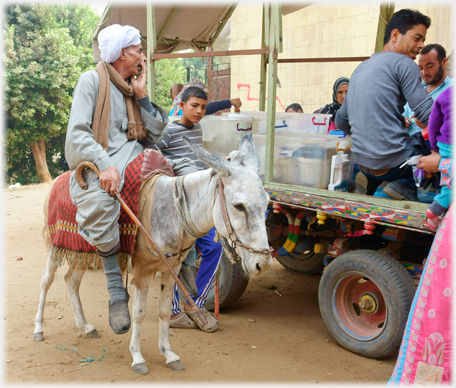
309, 263
365, 297
233, 282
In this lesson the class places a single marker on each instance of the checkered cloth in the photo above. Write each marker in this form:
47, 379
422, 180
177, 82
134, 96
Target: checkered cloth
62, 213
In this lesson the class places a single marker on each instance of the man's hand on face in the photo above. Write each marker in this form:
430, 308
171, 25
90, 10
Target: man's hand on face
430, 163
139, 84
110, 180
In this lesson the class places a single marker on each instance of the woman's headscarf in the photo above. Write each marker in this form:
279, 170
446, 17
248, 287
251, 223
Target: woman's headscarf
339, 82
334, 106
178, 99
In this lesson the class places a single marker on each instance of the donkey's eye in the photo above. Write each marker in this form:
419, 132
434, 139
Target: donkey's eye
239, 207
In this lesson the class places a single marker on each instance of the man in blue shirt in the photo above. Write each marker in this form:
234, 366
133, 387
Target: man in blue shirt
432, 63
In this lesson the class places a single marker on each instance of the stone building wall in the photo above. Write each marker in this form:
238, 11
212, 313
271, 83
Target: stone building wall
318, 30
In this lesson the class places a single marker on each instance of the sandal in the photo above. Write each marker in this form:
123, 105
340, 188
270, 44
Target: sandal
212, 323
184, 322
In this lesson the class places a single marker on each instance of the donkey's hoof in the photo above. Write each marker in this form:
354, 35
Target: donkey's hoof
38, 337
141, 368
93, 334
175, 365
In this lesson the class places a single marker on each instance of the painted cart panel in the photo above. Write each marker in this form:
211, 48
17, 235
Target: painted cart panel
401, 214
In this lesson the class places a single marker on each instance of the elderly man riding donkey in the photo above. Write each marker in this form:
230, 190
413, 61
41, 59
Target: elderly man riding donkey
113, 124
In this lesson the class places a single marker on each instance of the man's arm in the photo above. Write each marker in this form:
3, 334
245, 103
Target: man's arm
216, 106
341, 119
410, 83
80, 144
153, 117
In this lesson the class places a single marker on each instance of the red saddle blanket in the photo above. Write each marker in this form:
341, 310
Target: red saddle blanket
62, 224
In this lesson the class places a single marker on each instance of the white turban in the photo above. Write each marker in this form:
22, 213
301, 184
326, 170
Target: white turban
112, 39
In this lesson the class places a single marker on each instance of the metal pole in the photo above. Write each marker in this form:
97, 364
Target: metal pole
264, 57
386, 12
272, 91
151, 47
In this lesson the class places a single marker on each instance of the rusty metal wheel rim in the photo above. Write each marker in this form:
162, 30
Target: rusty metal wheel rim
363, 323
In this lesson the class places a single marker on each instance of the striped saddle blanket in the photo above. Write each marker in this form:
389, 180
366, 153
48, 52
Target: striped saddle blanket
62, 225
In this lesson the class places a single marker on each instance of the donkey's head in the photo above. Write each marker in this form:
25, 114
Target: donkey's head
240, 213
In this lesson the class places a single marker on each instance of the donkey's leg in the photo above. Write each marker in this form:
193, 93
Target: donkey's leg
73, 280
138, 313
46, 281
165, 306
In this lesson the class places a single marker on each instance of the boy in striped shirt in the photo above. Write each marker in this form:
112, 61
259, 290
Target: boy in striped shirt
193, 106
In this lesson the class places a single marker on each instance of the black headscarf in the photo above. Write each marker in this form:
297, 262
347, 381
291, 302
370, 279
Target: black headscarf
335, 106
339, 82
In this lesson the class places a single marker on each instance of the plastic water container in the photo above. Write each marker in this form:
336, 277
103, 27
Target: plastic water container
222, 134
284, 170
341, 167
314, 172
282, 120
309, 123
299, 159
340, 173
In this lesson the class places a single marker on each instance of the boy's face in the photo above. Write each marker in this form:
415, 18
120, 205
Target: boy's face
193, 110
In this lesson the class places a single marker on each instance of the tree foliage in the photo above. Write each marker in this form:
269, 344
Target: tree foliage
47, 47
167, 73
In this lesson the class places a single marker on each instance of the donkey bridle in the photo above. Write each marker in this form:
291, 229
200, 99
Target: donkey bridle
180, 204
232, 235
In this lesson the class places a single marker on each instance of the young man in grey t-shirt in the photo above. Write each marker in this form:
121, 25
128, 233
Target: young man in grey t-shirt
372, 110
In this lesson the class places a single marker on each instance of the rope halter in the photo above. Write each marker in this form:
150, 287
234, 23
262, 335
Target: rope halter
180, 203
232, 235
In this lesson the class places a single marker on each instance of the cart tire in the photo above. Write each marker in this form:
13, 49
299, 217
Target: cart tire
310, 264
365, 298
233, 282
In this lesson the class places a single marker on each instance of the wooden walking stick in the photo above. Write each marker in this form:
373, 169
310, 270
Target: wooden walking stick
83, 185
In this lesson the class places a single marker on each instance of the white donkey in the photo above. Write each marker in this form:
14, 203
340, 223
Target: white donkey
229, 196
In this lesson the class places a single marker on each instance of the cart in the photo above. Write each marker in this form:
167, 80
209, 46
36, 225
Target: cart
368, 250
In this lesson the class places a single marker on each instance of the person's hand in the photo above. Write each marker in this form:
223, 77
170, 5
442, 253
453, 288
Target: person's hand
110, 180
408, 121
236, 102
138, 83
419, 123
430, 163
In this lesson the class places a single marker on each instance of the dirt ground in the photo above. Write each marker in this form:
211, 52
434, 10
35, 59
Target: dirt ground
263, 338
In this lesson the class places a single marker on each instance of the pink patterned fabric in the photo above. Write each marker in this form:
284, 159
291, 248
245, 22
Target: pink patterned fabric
446, 172
426, 353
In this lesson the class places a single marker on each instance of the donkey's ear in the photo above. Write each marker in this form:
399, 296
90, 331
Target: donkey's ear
217, 163
247, 155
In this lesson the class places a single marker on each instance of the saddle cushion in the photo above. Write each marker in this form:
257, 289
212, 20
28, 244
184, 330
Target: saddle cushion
62, 225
